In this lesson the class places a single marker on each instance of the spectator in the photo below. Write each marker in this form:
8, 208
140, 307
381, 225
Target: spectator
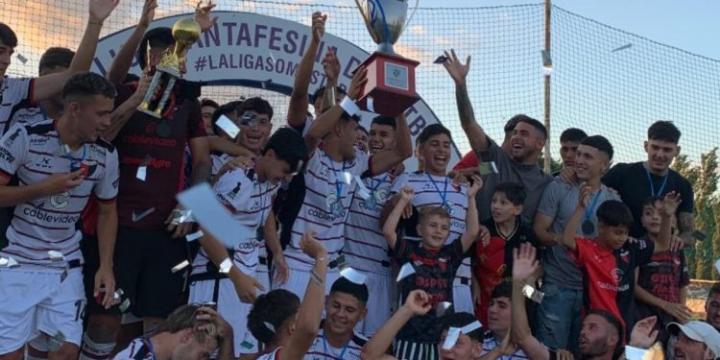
570, 139
362, 139
207, 108
497, 342
636, 182
695, 340
712, 306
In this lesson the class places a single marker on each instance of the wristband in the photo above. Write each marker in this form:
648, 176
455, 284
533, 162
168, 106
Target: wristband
316, 278
349, 106
225, 266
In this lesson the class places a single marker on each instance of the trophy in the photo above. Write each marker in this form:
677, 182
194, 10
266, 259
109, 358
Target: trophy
390, 88
185, 32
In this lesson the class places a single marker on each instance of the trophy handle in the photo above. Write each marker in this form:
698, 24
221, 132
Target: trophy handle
407, 22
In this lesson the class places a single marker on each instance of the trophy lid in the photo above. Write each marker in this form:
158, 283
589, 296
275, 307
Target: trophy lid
186, 30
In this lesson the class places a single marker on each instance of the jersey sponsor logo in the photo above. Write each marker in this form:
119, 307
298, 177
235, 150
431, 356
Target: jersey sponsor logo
52, 218
246, 246
233, 193
320, 214
60, 201
11, 139
5, 155
44, 163
39, 140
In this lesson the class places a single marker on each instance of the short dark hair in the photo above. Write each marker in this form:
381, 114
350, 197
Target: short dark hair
512, 122
503, 289
320, 92
384, 120
513, 191
88, 84
289, 146
345, 118
56, 57
363, 129
157, 37
715, 289
572, 135
7, 36
460, 320
614, 213
600, 143
522, 118
651, 201
432, 130
358, 291
614, 322
274, 309
664, 131
209, 102
258, 105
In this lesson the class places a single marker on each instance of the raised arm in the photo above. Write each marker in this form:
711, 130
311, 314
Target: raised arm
124, 112
525, 266
325, 123
310, 312
416, 304
471, 217
51, 85
402, 151
473, 130
299, 97
391, 223
123, 60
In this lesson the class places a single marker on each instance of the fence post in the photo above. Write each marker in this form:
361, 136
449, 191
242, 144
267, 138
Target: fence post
547, 155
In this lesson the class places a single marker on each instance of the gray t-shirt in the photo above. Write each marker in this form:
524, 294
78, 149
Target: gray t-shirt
559, 202
530, 176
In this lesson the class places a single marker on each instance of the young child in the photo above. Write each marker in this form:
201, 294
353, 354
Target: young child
492, 261
434, 265
609, 261
663, 281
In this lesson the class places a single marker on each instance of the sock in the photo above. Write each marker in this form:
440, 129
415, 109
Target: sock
92, 350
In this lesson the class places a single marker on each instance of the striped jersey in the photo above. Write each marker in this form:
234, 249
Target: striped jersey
431, 190
365, 246
489, 343
329, 187
139, 349
33, 153
14, 93
217, 160
249, 201
322, 350
274, 355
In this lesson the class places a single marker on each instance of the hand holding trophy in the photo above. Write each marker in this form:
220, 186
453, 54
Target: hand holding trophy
390, 89
185, 32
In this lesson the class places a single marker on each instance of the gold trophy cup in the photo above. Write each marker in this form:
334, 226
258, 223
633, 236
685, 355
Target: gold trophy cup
185, 32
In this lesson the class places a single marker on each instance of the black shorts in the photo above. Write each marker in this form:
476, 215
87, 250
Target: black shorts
143, 263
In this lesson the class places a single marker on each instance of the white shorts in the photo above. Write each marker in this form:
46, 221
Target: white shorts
298, 281
378, 305
35, 300
230, 307
462, 298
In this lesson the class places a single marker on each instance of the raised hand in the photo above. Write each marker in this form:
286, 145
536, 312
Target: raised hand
584, 196
331, 66
670, 203
475, 185
318, 26
484, 235
457, 70
202, 15
407, 193
418, 302
148, 13
525, 263
643, 334
357, 83
311, 247
101, 9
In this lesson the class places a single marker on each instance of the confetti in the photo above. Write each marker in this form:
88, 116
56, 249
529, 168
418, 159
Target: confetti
405, 271
181, 216
22, 58
370, 104
451, 339
141, 173
533, 294
442, 308
194, 236
228, 126
183, 264
353, 276
124, 306
56, 255
136, 217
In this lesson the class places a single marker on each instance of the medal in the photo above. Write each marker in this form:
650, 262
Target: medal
588, 228
443, 195
371, 202
163, 129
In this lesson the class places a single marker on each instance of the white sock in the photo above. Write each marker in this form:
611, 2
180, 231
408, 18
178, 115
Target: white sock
92, 350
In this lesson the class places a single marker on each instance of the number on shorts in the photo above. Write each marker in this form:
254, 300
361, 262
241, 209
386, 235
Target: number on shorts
79, 310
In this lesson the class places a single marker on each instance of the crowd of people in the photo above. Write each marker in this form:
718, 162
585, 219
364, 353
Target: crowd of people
350, 256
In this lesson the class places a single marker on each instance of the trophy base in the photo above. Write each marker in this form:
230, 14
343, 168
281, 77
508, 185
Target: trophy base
390, 88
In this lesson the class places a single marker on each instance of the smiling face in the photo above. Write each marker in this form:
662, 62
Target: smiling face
434, 230
590, 163
526, 142
343, 311
91, 116
435, 154
361, 139
382, 137
254, 134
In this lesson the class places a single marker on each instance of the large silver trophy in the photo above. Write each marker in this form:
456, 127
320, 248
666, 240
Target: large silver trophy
390, 89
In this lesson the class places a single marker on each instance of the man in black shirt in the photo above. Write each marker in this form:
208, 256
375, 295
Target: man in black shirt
636, 182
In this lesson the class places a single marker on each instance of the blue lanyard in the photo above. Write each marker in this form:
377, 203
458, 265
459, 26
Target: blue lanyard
342, 352
589, 211
652, 186
379, 182
443, 194
338, 184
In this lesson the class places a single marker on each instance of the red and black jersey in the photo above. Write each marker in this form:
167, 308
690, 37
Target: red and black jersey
610, 275
493, 263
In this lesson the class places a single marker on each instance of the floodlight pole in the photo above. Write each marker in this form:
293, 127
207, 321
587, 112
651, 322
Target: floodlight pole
547, 155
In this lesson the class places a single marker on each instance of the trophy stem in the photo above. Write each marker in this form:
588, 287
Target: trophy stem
386, 48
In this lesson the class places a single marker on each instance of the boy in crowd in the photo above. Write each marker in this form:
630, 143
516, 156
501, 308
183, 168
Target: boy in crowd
609, 260
569, 141
429, 265
493, 260
662, 282
638, 181
207, 109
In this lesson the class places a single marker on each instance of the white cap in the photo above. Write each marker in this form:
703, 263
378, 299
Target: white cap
699, 331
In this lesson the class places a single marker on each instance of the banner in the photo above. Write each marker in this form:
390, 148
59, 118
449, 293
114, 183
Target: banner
259, 51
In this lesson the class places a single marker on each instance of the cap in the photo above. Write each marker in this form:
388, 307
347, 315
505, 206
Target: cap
699, 331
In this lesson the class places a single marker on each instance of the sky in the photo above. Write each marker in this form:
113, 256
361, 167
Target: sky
691, 25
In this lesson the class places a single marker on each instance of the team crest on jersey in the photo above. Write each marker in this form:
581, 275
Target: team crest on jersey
60, 201
617, 275
233, 193
44, 163
11, 139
